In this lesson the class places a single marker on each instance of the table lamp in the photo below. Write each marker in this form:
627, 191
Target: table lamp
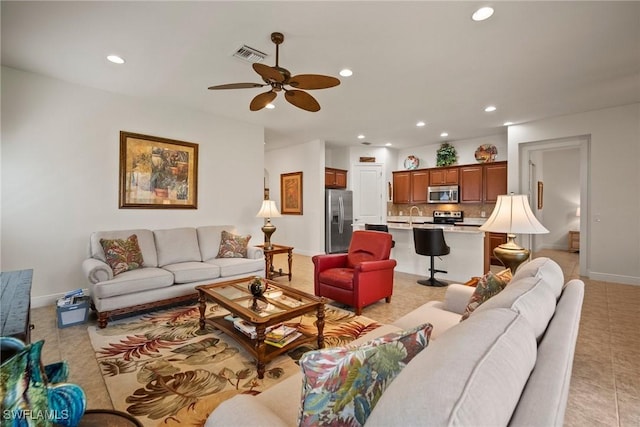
512, 215
268, 211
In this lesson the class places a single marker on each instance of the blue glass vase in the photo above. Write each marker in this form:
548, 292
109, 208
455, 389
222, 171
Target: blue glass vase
34, 395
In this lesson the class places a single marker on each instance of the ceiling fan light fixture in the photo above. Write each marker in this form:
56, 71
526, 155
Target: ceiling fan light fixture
277, 78
270, 106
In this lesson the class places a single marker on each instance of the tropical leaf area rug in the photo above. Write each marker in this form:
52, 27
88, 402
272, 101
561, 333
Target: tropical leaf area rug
162, 369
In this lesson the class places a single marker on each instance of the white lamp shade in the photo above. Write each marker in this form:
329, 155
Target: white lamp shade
268, 210
513, 215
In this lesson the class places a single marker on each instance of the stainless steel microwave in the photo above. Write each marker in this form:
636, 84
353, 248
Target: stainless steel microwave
443, 194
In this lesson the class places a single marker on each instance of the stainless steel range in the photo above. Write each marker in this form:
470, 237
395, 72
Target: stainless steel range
447, 217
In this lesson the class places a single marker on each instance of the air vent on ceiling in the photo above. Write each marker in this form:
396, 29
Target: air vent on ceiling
249, 54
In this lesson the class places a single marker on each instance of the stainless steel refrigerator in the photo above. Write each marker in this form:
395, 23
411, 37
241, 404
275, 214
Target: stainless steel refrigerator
338, 220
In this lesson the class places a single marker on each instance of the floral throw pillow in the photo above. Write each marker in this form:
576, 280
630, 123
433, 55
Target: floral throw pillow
233, 246
122, 254
341, 386
489, 285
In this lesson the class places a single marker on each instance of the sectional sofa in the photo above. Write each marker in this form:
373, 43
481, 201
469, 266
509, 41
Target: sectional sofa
509, 363
174, 262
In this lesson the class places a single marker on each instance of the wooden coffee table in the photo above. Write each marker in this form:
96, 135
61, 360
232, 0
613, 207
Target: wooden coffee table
279, 304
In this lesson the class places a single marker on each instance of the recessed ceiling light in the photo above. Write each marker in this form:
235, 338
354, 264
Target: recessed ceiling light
270, 106
490, 109
443, 134
482, 13
115, 59
346, 72
361, 136
420, 124
388, 144
507, 123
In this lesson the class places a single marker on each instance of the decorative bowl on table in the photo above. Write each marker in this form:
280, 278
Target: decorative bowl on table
257, 286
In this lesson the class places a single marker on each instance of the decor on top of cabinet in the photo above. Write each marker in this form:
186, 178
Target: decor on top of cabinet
486, 153
411, 162
446, 155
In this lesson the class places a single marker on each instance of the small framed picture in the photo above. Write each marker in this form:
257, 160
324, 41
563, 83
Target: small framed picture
291, 193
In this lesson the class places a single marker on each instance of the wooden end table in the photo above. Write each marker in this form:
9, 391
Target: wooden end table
278, 304
269, 271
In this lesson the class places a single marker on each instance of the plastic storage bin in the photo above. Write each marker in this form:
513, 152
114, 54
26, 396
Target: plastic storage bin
73, 314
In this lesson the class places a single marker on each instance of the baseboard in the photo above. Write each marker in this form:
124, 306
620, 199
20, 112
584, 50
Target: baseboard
45, 300
616, 278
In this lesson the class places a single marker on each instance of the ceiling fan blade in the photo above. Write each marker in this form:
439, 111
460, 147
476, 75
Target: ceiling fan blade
236, 86
313, 81
302, 100
261, 101
268, 73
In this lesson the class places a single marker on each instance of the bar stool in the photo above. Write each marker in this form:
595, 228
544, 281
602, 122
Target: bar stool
379, 227
430, 242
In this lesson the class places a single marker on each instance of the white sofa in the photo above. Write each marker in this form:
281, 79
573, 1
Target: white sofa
509, 363
175, 261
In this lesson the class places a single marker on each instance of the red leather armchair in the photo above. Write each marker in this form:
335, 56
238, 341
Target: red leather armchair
360, 277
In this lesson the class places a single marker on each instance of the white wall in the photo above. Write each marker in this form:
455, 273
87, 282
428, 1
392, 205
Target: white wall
60, 162
304, 232
612, 217
561, 197
465, 148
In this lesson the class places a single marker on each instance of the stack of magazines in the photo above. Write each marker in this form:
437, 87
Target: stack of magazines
281, 336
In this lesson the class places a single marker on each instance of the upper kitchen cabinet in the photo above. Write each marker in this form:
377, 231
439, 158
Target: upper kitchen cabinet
483, 183
443, 176
335, 178
410, 186
495, 181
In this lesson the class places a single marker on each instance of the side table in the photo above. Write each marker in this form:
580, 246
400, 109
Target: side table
269, 271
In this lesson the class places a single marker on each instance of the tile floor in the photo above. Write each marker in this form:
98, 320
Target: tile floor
605, 385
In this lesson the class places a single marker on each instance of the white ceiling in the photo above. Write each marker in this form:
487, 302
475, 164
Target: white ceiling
411, 60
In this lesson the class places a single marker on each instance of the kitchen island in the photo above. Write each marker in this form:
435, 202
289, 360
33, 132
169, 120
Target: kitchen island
466, 259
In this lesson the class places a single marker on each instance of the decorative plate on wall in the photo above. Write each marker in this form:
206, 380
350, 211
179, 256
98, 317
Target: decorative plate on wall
486, 153
411, 162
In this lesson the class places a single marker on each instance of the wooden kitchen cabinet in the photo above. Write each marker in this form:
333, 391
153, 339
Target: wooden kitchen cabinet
419, 184
483, 183
410, 186
495, 239
471, 184
402, 187
495, 181
335, 178
443, 176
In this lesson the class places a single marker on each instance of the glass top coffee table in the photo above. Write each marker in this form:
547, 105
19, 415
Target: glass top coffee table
278, 304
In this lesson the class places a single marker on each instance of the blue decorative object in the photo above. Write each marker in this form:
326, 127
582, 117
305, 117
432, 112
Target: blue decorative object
36, 395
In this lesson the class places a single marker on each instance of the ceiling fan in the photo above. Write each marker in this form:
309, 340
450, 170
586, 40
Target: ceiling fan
278, 77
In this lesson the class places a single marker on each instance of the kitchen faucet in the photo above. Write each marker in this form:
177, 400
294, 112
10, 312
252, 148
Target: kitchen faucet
411, 214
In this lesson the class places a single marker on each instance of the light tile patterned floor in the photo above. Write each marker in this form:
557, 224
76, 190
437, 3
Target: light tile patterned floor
605, 385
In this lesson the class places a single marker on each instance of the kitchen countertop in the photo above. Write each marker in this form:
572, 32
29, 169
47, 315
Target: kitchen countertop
404, 219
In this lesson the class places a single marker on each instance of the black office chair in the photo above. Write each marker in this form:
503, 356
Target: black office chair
430, 242
379, 227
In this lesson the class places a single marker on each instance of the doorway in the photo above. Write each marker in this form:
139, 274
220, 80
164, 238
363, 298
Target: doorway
531, 157
369, 204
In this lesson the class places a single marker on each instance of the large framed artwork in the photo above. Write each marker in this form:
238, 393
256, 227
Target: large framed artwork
291, 193
157, 173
